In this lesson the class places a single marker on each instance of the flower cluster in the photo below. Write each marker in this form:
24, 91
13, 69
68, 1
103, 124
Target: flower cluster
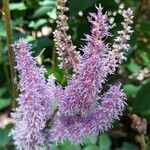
34, 102
68, 56
82, 109
82, 92
75, 127
79, 111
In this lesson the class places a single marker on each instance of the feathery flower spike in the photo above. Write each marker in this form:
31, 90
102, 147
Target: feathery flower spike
69, 58
82, 92
82, 111
120, 46
34, 106
80, 97
74, 127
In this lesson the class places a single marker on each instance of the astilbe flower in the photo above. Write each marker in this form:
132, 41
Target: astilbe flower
83, 90
83, 110
34, 102
97, 62
116, 55
76, 127
79, 111
69, 58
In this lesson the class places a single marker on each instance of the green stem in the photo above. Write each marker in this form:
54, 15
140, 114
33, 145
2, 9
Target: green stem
143, 143
53, 58
10, 51
98, 139
6, 71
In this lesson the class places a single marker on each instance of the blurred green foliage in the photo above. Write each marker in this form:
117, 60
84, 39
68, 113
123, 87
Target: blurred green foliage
35, 21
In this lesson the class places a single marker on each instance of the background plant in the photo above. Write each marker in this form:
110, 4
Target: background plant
35, 20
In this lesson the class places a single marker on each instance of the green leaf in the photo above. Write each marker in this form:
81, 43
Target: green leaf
145, 55
52, 14
18, 22
3, 91
142, 100
133, 66
91, 147
68, 146
90, 141
4, 138
4, 103
39, 23
43, 10
105, 142
148, 148
17, 6
2, 29
54, 147
131, 89
47, 2
128, 146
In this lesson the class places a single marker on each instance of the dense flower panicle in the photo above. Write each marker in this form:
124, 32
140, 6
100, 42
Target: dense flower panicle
76, 127
115, 55
99, 27
68, 56
82, 111
80, 97
34, 106
82, 92
97, 62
